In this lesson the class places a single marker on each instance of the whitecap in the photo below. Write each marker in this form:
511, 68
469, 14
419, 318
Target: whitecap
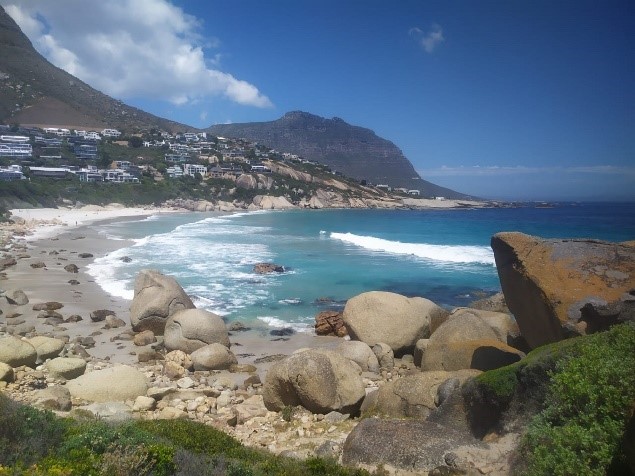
446, 253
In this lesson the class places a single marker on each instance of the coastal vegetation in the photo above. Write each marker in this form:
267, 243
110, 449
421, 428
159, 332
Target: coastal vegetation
36, 442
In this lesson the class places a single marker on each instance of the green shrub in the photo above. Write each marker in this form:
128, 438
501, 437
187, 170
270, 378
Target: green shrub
27, 434
588, 402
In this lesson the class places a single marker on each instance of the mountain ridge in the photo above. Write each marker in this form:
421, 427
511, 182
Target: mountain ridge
353, 150
35, 92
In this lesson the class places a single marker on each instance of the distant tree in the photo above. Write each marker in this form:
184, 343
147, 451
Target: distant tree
104, 160
15, 128
135, 142
363, 182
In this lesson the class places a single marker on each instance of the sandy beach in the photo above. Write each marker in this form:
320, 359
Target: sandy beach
60, 237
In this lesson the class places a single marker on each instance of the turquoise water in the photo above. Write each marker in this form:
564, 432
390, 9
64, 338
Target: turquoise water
332, 255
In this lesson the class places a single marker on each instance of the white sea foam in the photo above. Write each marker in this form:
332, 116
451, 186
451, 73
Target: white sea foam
446, 253
290, 301
277, 323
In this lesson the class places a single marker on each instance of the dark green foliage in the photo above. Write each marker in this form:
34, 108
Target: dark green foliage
590, 395
26, 434
37, 442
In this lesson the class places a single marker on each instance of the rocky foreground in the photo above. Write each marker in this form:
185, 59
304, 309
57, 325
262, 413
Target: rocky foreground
402, 391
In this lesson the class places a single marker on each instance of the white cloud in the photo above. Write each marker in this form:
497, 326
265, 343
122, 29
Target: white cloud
147, 49
429, 40
495, 170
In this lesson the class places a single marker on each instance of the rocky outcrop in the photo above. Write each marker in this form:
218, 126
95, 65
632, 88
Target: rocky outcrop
191, 329
156, 298
467, 341
114, 384
390, 318
416, 445
267, 202
413, 396
320, 380
547, 282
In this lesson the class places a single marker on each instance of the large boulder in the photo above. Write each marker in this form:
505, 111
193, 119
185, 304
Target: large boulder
396, 320
213, 357
114, 384
418, 446
466, 341
413, 396
16, 352
360, 353
191, 329
46, 347
66, 367
503, 324
320, 380
156, 298
546, 282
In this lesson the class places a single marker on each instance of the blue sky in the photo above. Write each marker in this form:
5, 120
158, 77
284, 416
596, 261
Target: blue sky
502, 99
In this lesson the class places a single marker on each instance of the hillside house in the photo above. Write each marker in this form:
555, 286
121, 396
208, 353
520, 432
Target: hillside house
57, 131
12, 172
193, 169
174, 172
85, 151
14, 139
414, 193
110, 133
177, 158
16, 150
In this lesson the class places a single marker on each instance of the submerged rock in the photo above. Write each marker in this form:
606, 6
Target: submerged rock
266, 268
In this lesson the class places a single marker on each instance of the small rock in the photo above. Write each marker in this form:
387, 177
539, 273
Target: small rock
16, 297
238, 326
100, 314
73, 318
85, 255
55, 397
285, 331
73, 282
71, 268
126, 259
48, 306
38, 264
144, 338
266, 268
113, 322
143, 404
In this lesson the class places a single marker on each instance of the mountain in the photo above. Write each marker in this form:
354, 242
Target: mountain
354, 151
34, 92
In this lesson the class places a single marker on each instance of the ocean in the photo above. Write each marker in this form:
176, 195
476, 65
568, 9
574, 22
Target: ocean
330, 256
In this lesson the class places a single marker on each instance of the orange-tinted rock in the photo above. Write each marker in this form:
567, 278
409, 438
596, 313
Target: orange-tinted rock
546, 282
330, 323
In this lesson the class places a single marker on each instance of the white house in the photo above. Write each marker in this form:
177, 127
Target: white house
193, 169
110, 133
174, 171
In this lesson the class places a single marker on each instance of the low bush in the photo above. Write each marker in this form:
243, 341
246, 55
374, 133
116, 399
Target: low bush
590, 395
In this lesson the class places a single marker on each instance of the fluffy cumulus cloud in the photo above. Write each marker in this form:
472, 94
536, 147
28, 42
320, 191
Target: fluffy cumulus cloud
131, 49
429, 40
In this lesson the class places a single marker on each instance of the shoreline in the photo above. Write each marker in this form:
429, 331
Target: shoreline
57, 238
